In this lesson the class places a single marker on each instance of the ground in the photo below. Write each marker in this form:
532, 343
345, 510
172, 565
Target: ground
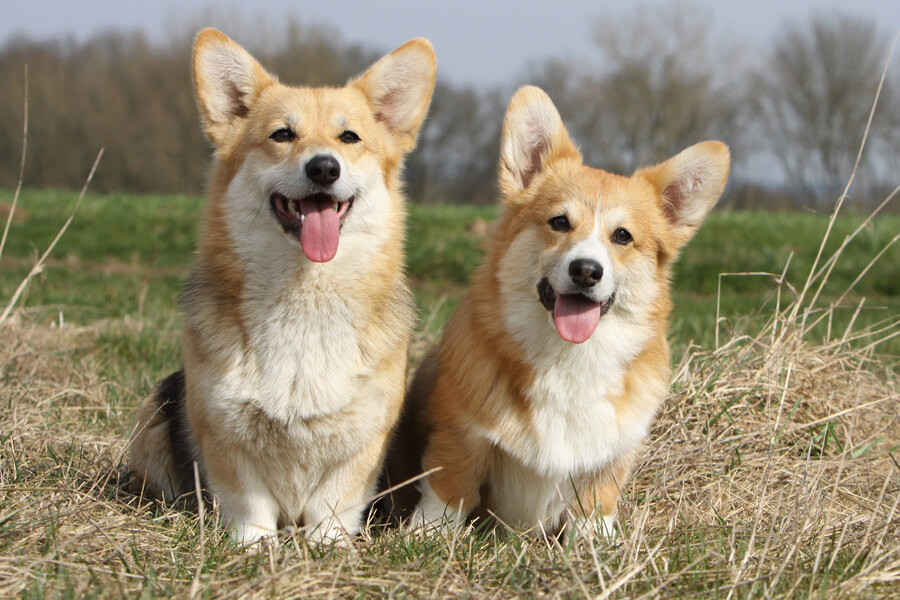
772, 469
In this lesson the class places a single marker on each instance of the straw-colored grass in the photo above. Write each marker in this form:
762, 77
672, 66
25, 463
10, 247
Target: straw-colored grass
769, 473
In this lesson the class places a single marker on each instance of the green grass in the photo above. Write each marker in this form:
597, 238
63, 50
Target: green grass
125, 256
147, 229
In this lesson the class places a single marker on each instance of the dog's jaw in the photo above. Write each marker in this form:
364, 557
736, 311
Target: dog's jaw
547, 295
319, 242
575, 315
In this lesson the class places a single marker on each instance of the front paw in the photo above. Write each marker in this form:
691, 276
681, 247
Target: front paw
433, 514
602, 527
250, 534
330, 533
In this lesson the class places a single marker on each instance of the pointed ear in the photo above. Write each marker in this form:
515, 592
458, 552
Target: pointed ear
226, 81
533, 136
689, 184
399, 88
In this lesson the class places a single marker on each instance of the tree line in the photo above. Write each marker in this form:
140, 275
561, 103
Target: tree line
793, 113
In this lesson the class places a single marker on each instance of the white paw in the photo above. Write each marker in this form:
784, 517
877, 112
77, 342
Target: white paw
330, 532
248, 533
432, 513
604, 527
608, 527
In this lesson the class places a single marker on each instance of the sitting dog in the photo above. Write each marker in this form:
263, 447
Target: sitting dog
555, 362
297, 312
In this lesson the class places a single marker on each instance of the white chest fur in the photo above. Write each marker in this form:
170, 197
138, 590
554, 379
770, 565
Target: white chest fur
305, 352
300, 378
575, 427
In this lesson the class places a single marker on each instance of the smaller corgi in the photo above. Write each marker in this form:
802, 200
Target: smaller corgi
552, 367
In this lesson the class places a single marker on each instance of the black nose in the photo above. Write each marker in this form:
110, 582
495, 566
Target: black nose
323, 169
585, 272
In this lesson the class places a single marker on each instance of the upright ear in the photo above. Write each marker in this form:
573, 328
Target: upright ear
226, 81
689, 184
533, 136
399, 88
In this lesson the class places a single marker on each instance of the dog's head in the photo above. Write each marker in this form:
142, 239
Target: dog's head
584, 242
319, 162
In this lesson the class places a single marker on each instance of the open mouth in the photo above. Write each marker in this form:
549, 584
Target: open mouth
315, 220
575, 315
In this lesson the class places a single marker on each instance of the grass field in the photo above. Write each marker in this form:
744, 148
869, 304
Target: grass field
125, 257
771, 471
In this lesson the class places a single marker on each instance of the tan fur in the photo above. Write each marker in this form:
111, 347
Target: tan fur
295, 370
479, 401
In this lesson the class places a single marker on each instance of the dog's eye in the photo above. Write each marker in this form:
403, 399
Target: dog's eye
282, 135
560, 223
621, 236
349, 137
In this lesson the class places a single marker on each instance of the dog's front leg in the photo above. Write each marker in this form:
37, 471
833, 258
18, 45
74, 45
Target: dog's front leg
454, 491
246, 505
334, 511
593, 510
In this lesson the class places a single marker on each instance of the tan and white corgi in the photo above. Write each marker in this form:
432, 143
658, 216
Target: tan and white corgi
297, 312
555, 362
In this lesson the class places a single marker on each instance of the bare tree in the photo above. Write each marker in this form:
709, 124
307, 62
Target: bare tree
120, 91
661, 85
813, 96
456, 159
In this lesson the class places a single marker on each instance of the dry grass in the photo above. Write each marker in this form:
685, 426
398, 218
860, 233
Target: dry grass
769, 473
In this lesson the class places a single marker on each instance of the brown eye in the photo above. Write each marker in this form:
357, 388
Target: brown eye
621, 236
349, 137
282, 135
560, 223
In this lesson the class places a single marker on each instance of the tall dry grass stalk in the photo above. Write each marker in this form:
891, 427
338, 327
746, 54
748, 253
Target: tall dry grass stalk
21, 178
39, 265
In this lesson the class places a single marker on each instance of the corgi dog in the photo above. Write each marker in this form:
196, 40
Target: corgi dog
297, 311
553, 365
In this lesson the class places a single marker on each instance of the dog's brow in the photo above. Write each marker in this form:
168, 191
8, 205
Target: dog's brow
291, 119
616, 216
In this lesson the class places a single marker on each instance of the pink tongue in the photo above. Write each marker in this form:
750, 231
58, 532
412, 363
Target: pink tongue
320, 232
575, 317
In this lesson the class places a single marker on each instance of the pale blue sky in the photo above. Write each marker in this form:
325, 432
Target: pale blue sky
477, 41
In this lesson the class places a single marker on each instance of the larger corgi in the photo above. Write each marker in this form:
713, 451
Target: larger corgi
555, 362
297, 312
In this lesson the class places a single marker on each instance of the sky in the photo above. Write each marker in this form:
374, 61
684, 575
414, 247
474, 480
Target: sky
476, 41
